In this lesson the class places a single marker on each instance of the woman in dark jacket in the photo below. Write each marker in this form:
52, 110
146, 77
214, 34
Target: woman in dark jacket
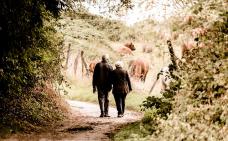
121, 86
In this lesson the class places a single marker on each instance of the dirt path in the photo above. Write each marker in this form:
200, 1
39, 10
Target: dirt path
84, 125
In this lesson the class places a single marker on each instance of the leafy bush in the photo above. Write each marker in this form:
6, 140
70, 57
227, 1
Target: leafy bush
200, 105
113, 30
149, 121
161, 105
199, 96
29, 59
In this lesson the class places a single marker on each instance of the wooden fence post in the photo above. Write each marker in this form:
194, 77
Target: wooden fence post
68, 56
84, 64
76, 63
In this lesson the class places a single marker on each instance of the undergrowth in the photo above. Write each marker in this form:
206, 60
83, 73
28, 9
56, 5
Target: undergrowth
195, 108
29, 63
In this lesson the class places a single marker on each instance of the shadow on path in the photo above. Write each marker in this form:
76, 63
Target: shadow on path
84, 124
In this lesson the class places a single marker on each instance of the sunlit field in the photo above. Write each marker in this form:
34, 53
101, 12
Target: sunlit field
80, 85
82, 91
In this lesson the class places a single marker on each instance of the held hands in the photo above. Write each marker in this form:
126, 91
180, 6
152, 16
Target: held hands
94, 90
130, 90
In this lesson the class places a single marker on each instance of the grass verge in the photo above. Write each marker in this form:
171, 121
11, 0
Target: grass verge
82, 91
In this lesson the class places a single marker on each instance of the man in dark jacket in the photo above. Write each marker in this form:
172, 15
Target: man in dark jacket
101, 83
121, 87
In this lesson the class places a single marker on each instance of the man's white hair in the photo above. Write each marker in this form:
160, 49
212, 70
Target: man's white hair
119, 64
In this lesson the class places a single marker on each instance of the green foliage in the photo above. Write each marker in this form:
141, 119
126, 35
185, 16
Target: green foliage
113, 30
211, 79
125, 134
200, 105
149, 121
139, 130
199, 96
132, 131
93, 34
29, 59
146, 30
162, 106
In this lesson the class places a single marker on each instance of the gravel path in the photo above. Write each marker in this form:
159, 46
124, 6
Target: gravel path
84, 125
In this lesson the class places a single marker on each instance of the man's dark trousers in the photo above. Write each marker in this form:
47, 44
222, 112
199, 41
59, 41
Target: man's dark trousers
120, 102
103, 101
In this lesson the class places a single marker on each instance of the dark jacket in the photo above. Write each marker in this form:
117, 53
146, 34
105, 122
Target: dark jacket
120, 81
101, 76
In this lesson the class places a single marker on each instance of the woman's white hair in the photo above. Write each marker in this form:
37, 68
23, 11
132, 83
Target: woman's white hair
119, 64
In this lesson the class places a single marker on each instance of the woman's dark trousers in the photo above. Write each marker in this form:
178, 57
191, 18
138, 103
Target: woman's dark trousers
120, 102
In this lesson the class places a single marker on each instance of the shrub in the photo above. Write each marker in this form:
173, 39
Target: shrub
29, 59
161, 105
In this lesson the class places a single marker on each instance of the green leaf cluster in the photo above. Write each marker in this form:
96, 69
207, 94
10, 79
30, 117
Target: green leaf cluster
29, 59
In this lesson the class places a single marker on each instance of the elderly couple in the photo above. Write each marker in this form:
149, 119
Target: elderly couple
105, 79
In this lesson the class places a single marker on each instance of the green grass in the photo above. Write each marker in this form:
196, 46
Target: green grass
82, 91
129, 129
131, 132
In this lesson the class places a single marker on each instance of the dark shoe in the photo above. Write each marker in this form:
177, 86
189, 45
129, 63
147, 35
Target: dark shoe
120, 115
102, 115
106, 115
